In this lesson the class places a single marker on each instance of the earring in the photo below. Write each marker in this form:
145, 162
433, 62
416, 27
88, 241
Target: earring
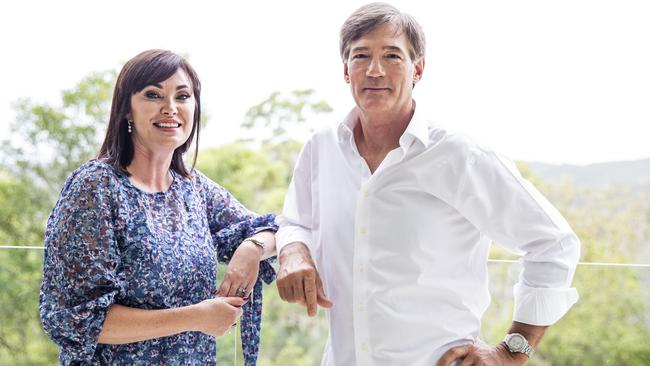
130, 127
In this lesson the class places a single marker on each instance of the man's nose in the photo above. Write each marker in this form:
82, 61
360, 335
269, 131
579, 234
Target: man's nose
375, 68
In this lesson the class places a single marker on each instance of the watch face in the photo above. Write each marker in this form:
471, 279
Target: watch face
516, 342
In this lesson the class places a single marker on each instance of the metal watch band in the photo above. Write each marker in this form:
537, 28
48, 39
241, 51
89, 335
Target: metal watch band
259, 243
524, 348
528, 350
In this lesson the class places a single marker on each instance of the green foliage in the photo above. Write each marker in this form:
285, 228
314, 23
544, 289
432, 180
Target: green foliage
56, 140
282, 115
251, 176
610, 324
279, 121
48, 143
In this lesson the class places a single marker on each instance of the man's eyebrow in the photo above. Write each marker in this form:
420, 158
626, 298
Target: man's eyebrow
357, 49
390, 48
394, 48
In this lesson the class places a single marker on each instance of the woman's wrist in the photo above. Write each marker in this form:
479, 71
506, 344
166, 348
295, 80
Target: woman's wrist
255, 246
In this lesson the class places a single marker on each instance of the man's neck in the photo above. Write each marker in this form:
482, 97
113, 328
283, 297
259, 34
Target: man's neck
376, 135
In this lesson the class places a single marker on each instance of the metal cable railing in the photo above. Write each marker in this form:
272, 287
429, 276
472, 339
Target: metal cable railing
591, 264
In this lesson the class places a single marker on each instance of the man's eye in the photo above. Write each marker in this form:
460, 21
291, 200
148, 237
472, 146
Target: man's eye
360, 55
394, 56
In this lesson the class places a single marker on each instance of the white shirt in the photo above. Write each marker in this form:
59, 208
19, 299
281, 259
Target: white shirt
403, 251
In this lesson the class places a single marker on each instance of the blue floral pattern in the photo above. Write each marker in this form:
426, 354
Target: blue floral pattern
108, 242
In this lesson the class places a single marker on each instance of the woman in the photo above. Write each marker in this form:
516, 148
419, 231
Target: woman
129, 270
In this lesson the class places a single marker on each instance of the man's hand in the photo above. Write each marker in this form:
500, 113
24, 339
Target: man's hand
298, 280
481, 354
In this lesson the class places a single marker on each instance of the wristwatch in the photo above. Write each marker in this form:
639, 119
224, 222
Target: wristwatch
258, 243
517, 343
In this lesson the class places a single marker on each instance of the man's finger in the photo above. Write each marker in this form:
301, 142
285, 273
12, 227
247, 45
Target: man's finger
282, 291
299, 291
323, 300
309, 284
453, 354
320, 294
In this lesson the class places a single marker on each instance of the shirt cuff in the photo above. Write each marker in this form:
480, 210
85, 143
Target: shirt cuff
542, 306
291, 234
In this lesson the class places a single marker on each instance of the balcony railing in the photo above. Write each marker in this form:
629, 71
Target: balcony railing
609, 325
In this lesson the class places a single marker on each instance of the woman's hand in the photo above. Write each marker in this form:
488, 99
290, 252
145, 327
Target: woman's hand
216, 316
242, 271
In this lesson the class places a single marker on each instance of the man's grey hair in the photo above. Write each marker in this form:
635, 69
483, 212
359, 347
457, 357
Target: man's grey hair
365, 19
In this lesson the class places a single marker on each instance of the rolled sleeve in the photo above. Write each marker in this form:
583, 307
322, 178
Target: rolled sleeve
296, 220
542, 306
505, 206
80, 271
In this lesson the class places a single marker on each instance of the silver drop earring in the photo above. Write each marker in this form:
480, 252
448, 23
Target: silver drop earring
130, 127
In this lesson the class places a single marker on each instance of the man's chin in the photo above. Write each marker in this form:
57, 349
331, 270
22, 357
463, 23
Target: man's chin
375, 105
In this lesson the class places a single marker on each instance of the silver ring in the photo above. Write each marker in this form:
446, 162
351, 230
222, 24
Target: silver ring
241, 292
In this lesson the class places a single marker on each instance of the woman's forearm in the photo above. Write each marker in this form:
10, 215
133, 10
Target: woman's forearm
127, 325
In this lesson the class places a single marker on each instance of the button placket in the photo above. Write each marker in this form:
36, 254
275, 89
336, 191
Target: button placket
360, 279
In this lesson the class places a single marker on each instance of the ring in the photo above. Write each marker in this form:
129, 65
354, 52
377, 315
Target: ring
241, 292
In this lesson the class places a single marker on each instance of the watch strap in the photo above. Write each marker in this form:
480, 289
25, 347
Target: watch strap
258, 243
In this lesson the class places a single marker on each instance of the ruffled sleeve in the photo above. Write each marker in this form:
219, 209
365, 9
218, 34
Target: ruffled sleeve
230, 223
80, 270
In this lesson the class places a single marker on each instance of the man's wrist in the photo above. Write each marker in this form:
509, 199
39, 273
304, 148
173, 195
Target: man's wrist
518, 358
296, 247
518, 344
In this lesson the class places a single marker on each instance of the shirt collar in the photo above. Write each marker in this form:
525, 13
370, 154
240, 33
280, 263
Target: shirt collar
417, 129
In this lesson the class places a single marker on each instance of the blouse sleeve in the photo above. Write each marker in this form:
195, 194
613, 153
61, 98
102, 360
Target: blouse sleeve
80, 278
230, 223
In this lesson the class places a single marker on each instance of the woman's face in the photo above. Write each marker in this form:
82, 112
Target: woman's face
163, 115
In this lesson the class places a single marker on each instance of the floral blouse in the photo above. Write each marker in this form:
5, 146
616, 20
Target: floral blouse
108, 242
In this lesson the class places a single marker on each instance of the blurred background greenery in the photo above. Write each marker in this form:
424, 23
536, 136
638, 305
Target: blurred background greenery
610, 325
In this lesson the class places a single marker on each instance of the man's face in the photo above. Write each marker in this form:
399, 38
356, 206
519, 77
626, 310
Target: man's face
380, 71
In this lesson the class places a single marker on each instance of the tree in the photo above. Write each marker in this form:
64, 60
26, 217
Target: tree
53, 141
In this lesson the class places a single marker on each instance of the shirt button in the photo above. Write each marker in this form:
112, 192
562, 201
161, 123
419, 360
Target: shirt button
365, 193
360, 268
360, 308
364, 346
363, 230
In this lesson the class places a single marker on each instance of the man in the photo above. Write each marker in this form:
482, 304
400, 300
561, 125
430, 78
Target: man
399, 218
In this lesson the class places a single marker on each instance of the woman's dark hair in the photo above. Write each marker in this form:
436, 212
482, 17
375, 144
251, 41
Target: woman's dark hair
148, 68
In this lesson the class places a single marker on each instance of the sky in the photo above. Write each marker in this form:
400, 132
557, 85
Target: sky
551, 81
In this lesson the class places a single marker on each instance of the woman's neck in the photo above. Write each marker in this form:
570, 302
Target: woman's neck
150, 172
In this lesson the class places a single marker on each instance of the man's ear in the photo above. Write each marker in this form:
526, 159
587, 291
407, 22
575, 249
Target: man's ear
418, 70
346, 75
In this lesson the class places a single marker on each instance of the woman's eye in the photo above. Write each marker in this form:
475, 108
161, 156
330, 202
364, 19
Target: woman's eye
184, 97
151, 95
